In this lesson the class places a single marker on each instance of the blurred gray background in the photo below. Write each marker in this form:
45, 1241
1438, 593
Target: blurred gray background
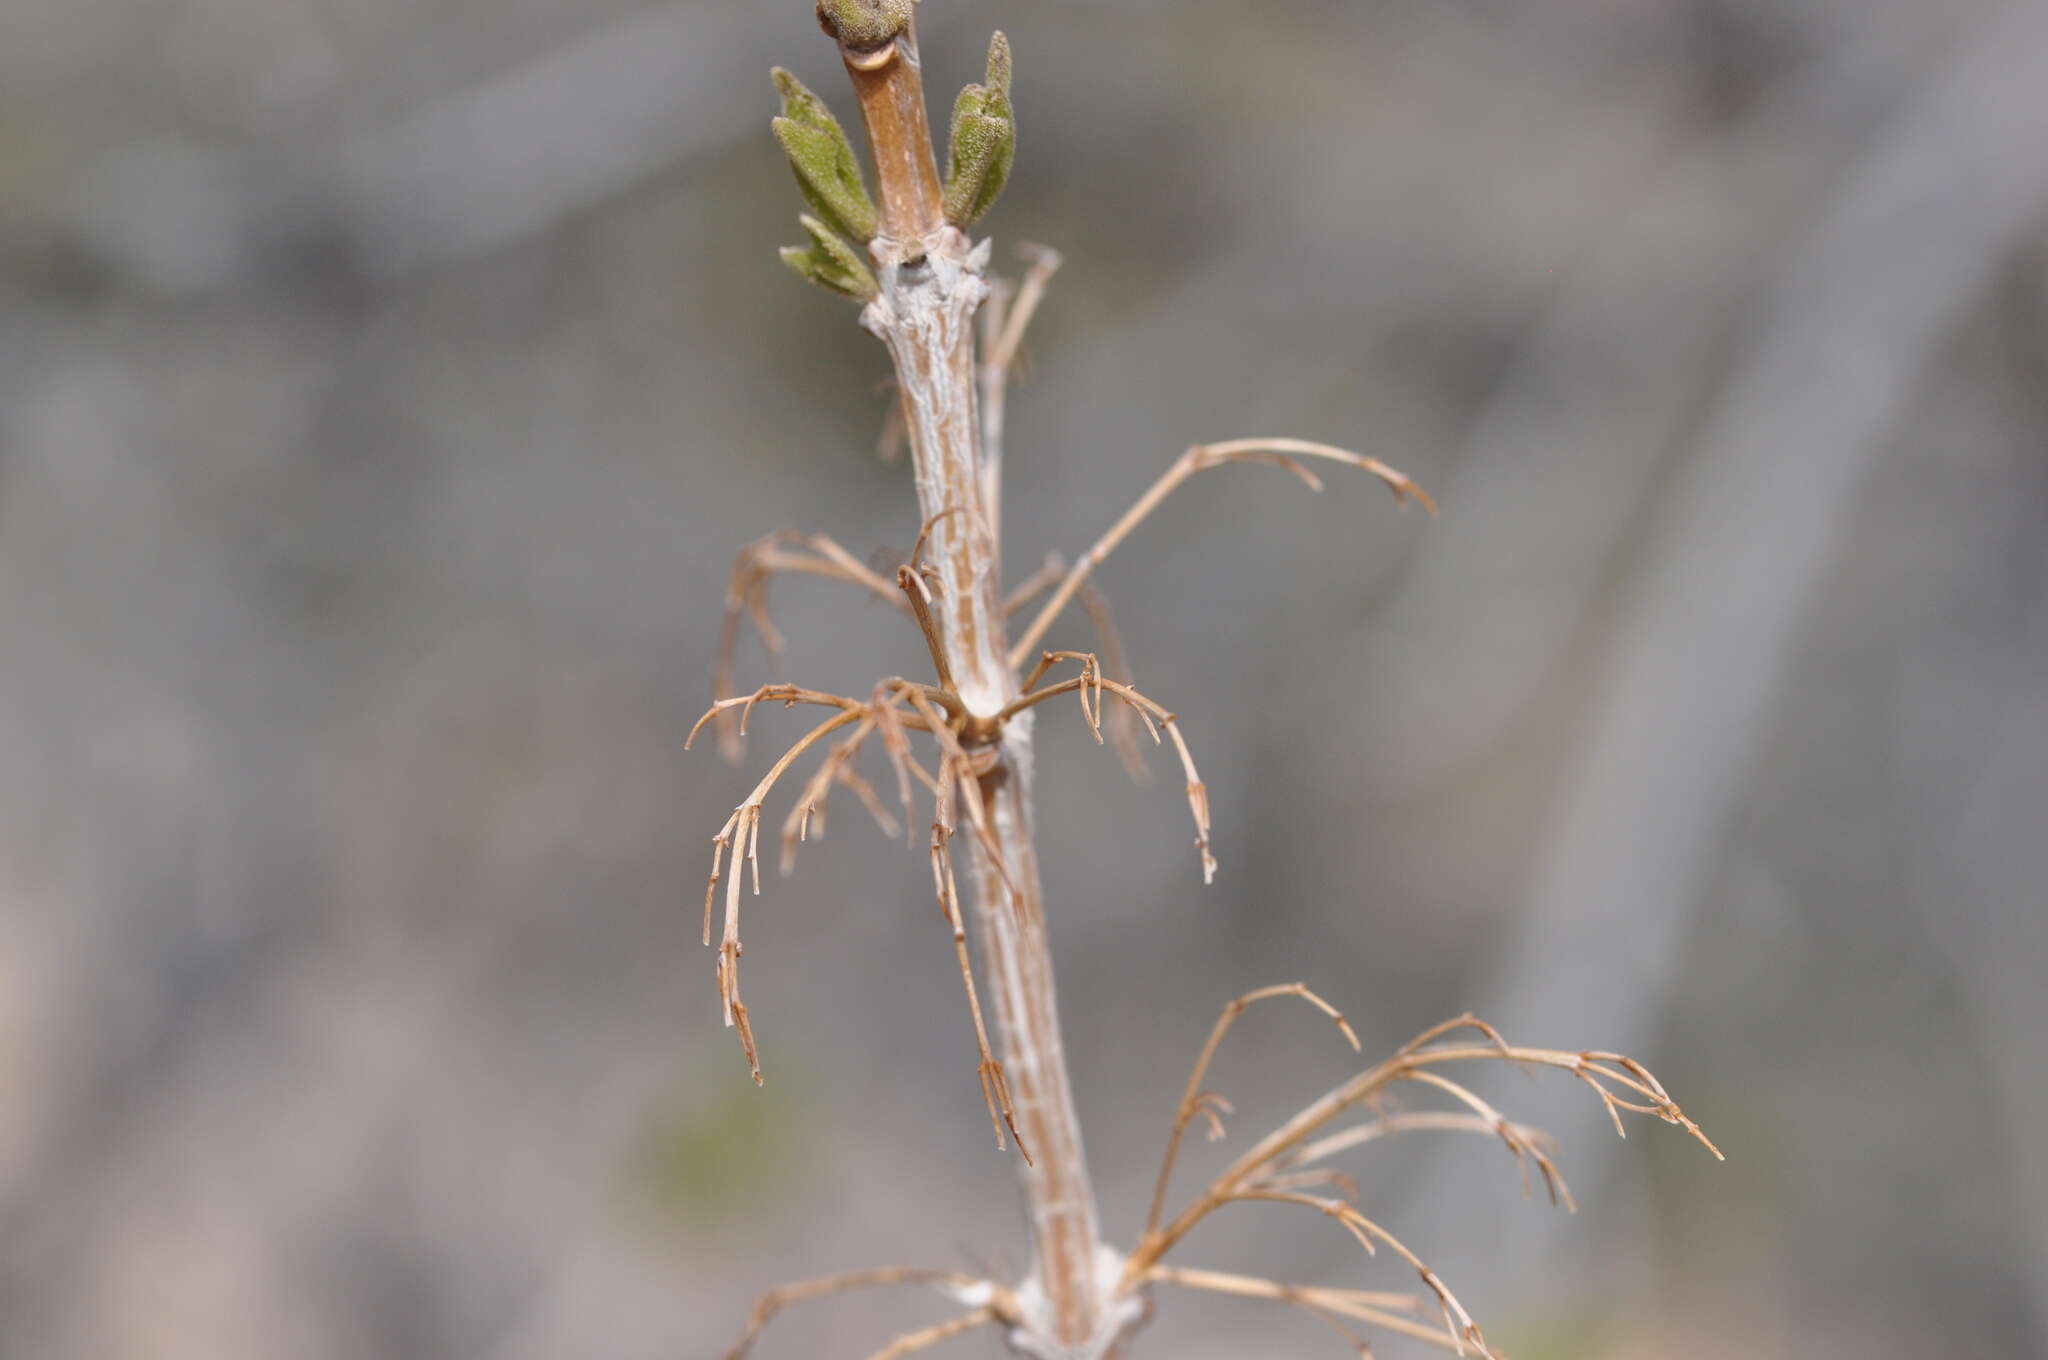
385, 387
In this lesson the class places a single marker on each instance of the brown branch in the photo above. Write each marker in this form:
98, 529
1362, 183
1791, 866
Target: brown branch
889, 721
1535, 1141
1245, 1286
1458, 1323
1042, 263
995, 1086
1123, 720
887, 83
913, 1342
910, 579
1319, 1178
789, 696
1091, 678
776, 1300
1375, 1310
746, 596
1088, 684
1036, 584
919, 595
1283, 453
742, 834
1005, 317
968, 770
1191, 1099
957, 769
1509, 1133
1620, 1083
807, 817
1452, 1026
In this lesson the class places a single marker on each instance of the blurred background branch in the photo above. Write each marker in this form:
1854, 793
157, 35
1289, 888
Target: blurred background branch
1848, 326
374, 437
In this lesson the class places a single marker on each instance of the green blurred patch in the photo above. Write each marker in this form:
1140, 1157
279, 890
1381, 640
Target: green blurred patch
1570, 1339
700, 1162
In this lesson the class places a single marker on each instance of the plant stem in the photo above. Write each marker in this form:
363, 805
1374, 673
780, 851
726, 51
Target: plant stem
932, 285
890, 86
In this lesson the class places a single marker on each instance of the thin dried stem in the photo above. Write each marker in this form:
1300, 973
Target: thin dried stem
789, 696
807, 818
919, 594
1091, 677
924, 535
1621, 1084
742, 834
969, 771
1005, 318
957, 770
1191, 1101
1538, 1143
863, 791
995, 311
1509, 1133
889, 721
1251, 1287
895, 431
1088, 685
1458, 1323
1452, 1026
995, 1086
776, 1300
1042, 263
1373, 1309
1049, 574
1123, 720
1320, 1178
746, 596
913, 1342
910, 579
1283, 453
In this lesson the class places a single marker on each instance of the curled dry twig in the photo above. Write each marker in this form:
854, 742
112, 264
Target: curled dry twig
897, 706
1281, 453
1092, 680
999, 1305
1195, 1100
1384, 1312
746, 596
1283, 1167
1005, 318
910, 1343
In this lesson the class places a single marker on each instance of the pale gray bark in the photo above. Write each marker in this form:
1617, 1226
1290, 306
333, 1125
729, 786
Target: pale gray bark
925, 315
1941, 198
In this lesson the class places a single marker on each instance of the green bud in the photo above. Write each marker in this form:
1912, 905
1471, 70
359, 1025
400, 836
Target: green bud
864, 24
831, 263
984, 141
826, 169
